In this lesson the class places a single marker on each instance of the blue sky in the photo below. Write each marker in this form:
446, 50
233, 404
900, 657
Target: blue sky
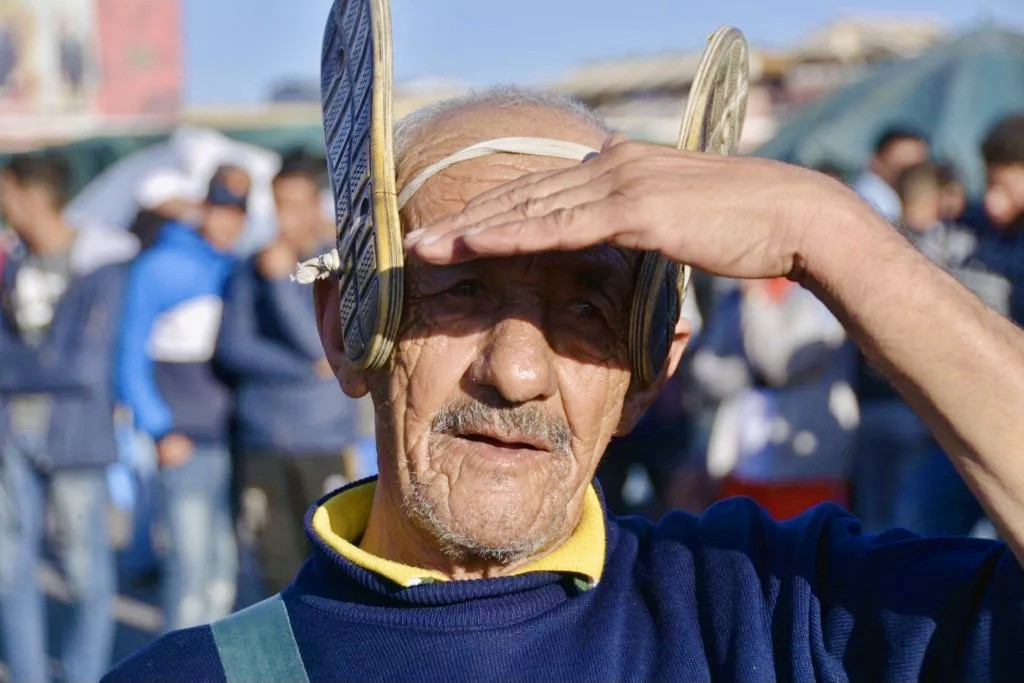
237, 49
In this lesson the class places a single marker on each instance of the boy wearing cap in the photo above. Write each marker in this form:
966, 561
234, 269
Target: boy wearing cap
295, 434
167, 378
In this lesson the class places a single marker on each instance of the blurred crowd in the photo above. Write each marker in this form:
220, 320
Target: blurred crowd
161, 367
170, 371
775, 402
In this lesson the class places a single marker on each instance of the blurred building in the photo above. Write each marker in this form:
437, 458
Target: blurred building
844, 50
645, 96
70, 68
109, 74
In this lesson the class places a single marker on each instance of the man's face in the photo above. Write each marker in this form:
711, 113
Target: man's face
510, 375
299, 214
222, 225
900, 155
1004, 197
508, 381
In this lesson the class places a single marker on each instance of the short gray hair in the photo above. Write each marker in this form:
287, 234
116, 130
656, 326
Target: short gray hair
411, 125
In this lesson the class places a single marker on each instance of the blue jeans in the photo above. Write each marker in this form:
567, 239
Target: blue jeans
200, 567
79, 499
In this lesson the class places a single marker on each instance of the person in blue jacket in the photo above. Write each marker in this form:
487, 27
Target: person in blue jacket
61, 291
167, 378
295, 434
483, 551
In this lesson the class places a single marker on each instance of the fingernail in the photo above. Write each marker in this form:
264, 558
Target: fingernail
429, 239
414, 236
475, 230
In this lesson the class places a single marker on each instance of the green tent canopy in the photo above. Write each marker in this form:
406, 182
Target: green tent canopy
952, 94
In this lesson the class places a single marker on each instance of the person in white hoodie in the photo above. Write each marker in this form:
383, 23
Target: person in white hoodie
61, 292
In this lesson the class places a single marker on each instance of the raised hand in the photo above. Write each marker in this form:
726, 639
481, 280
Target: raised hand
738, 217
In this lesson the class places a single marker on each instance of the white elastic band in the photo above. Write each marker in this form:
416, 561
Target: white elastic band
326, 264
539, 147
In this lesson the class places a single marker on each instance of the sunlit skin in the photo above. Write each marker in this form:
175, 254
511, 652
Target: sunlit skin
542, 337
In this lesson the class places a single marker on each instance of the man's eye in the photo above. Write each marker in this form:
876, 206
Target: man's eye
466, 288
585, 309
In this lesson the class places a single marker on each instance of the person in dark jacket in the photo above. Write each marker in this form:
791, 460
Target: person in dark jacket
61, 291
167, 377
294, 432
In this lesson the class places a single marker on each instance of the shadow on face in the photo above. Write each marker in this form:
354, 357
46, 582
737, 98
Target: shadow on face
508, 380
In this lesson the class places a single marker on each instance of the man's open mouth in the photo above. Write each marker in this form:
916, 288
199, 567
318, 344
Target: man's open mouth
510, 442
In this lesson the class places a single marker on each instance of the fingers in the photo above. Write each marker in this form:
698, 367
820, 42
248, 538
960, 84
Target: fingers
439, 242
505, 197
531, 178
565, 228
511, 195
567, 209
499, 190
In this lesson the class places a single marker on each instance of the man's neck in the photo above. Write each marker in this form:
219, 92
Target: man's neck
392, 535
50, 235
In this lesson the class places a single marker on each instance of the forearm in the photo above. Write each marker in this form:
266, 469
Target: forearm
959, 364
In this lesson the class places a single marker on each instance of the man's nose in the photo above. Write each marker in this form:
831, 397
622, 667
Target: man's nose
517, 362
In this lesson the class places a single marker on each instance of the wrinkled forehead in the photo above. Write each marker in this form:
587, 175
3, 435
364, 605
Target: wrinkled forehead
450, 190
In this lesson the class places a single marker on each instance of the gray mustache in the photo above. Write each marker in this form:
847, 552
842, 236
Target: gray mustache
461, 417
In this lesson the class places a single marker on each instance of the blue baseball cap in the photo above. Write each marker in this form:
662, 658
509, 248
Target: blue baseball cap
219, 194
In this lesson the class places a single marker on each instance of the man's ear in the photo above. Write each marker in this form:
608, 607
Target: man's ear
328, 321
638, 400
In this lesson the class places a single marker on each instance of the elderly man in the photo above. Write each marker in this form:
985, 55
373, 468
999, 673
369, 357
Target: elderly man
483, 552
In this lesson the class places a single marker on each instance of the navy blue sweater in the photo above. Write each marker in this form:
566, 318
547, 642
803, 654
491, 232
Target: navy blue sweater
729, 595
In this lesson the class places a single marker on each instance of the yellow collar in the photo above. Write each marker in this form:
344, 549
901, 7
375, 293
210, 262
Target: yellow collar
341, 521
